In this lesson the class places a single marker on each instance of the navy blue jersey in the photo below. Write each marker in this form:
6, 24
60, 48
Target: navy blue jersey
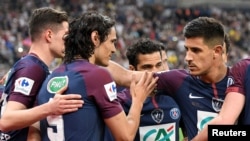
199, 101
23, 83
241, 76
98, 91
159, 120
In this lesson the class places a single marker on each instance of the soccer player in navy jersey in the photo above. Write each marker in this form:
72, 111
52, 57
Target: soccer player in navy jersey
89, 45
235, 108
47, 30
200, 90
160, 115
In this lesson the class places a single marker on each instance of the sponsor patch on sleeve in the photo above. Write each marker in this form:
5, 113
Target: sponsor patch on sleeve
23, 85
110, 89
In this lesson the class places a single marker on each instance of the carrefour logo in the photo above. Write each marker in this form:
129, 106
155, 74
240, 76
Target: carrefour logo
57, 83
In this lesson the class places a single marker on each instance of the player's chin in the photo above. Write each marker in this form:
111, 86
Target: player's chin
61, 55
105, 64
194, 72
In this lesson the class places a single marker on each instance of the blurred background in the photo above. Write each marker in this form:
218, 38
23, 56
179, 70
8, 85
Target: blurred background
161, 20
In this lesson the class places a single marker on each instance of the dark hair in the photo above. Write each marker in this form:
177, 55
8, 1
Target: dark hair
143, 46
211, 30
78, 41
43, 18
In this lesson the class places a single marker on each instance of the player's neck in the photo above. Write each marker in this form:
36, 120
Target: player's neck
42, 55
214, 76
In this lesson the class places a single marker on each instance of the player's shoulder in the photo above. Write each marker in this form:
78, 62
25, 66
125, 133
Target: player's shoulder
243, 62
84, 68
29, 62
98, 71
241, 66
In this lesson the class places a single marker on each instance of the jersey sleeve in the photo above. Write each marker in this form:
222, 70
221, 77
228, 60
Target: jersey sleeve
26, 84
170, 81
238, 73
102, 89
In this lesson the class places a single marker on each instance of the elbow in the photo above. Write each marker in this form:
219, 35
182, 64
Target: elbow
4, 127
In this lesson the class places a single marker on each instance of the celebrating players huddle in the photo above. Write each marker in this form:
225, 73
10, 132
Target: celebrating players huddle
79, 99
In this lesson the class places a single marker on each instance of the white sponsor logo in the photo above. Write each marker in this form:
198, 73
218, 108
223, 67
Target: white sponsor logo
110, 89
203, 118
23, 85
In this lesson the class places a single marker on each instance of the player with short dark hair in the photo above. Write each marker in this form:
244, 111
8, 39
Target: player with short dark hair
160, 115
200, 90
48, 28
235, 109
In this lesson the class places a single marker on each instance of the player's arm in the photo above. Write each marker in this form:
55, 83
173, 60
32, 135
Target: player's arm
125, 127
229, 113
17, 116
121, 75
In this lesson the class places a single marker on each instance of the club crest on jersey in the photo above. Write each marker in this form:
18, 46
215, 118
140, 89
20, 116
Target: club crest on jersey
110, 89
23, 85
174, 113
217, 103
157, 115
57, 83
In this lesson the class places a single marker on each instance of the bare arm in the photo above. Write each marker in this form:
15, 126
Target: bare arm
17, 116
229, 113
125, 127
121, 75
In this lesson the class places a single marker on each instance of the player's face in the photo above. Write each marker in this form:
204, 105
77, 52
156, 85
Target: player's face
199, 57
104, 51
150, 62
57, 45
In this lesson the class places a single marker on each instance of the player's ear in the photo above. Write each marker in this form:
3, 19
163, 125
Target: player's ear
218, 50
48, 35
95, 38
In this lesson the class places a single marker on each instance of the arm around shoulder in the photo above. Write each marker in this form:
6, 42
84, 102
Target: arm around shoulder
121, 75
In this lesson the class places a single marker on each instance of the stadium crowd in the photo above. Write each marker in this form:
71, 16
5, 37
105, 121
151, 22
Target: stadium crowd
134, 19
